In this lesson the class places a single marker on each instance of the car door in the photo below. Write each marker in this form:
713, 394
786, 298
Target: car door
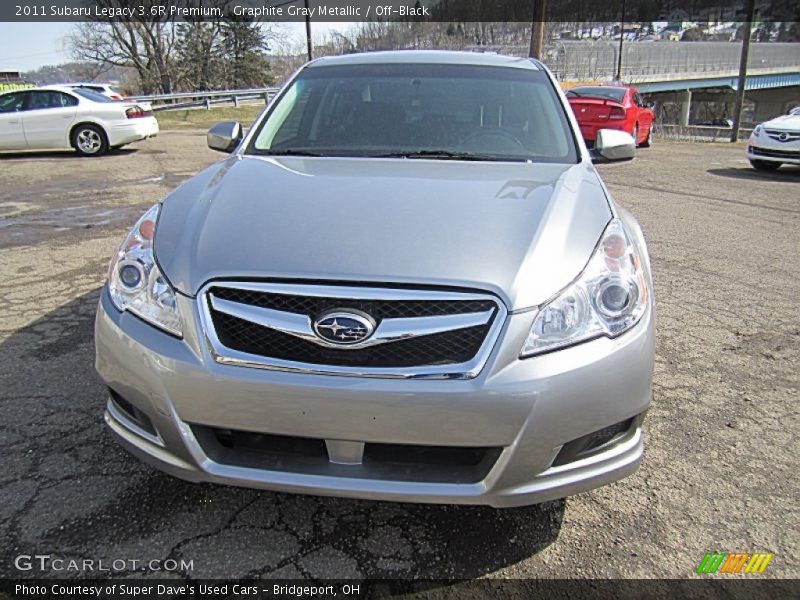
645, 113
47, 118
12, 136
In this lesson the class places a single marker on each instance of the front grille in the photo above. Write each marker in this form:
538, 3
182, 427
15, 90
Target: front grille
446, 348
378, 309
795, 155
398, 462
788, 136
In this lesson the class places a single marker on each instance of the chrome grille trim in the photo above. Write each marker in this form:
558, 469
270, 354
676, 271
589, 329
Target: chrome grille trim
788, 136
389, 330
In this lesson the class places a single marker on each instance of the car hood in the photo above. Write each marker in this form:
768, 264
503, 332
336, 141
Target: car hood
522, 231
784, 123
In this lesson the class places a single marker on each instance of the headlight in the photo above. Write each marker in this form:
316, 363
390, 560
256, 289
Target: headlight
609, 297
135, 282
757, 131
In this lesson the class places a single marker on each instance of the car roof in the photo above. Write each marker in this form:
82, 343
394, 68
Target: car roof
429, 57
89, 84
52, 88
601, 85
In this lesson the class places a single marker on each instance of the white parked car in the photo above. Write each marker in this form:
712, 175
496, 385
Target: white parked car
106, 89
775, 142
59, 117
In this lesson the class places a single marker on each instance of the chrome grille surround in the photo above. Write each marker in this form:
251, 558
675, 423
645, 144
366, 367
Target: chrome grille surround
784, 136
465, 370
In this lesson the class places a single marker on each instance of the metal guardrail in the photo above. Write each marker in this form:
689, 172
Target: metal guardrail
697, 133
180, 100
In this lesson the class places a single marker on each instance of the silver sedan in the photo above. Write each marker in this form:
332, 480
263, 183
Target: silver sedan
406, 282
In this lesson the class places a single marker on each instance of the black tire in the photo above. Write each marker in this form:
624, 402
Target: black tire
649, 139
765, 165
89, 140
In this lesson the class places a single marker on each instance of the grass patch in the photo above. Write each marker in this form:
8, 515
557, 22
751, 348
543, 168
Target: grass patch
200, 118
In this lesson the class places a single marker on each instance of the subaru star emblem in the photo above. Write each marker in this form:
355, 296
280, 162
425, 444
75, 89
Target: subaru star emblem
343, 327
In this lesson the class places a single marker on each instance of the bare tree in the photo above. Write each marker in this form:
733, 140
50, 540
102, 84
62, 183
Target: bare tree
146, 47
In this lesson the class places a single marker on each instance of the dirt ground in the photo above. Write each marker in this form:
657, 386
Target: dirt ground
721, 463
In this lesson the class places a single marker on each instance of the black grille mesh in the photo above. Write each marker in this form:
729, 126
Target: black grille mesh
451, 347
377, 309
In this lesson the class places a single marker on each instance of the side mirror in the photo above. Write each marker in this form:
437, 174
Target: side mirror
612, 145
224, 136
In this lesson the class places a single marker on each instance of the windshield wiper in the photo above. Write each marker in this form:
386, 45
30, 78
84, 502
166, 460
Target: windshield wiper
291, 152
445, 155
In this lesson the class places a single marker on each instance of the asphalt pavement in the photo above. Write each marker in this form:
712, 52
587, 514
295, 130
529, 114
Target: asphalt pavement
721, 463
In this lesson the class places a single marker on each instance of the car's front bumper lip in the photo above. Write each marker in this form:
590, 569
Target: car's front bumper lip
787, 152
529, 407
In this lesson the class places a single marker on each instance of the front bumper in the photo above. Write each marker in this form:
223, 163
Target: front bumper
767, 149
527, 409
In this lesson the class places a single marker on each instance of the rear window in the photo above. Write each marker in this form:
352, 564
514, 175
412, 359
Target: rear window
90, 95
610, 93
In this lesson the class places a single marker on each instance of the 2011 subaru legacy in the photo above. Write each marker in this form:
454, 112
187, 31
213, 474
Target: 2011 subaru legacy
406, 282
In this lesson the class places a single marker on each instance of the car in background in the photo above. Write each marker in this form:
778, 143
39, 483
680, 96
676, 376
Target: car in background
612, 107
60, 118
775, 142
106, 89
723, 123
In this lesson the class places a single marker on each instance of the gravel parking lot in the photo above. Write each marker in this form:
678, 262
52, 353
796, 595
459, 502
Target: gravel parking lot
721, 463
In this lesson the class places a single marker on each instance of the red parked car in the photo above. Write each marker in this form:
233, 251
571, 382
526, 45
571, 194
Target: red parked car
612, 107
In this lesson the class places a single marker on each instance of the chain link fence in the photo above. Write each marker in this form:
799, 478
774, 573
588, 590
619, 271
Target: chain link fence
643, 61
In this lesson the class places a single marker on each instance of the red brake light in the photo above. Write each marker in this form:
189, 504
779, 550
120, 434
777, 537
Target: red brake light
617, 112
115, 97
136, 112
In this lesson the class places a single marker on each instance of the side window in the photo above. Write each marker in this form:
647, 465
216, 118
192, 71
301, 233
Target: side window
67, 100
49, 99
638, 99
12, 102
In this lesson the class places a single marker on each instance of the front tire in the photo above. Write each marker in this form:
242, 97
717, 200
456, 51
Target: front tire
765, 165
89, 140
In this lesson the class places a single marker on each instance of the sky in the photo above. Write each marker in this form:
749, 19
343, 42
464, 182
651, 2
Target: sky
28, 46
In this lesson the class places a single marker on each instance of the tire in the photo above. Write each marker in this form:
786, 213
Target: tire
89, 140
765, 165
649, 139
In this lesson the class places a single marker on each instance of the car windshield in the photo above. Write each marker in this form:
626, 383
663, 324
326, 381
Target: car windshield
611, 93
91, 95
459, 112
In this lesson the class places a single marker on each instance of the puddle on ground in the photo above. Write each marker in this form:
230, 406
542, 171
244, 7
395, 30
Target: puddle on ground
33, 227
26, 223
169, 180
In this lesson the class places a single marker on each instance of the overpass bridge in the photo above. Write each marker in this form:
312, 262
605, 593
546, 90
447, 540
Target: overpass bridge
682, 73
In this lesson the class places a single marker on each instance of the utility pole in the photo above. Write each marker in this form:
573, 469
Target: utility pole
621, 38
308, 32
737, 115
537, 30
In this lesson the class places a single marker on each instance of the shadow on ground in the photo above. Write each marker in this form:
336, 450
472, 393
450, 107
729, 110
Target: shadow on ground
70, 491
785, 173
62, 154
